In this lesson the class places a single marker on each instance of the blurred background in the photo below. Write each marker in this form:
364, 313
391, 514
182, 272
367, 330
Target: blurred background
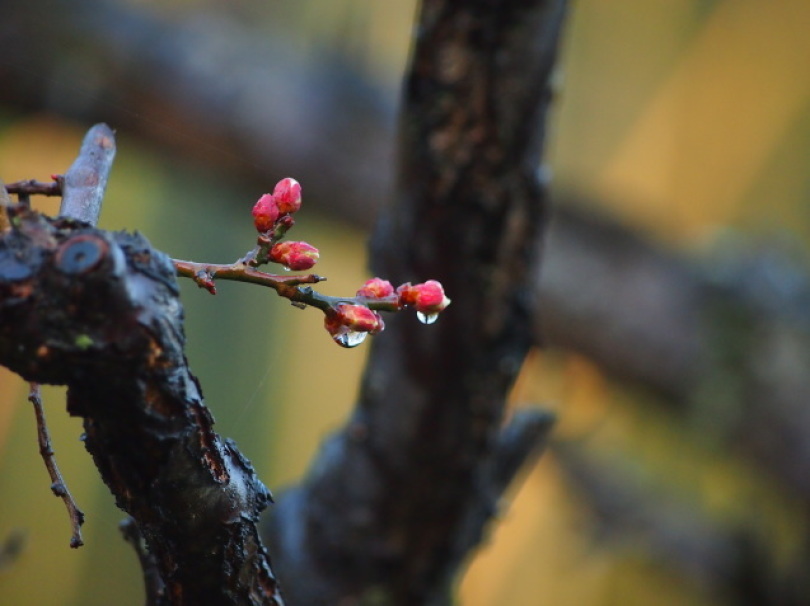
675, 297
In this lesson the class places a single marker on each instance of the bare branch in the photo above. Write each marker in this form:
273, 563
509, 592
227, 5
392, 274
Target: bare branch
32, 186
58, 486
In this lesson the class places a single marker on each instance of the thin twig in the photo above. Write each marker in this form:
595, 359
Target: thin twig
204, 275
33, 187
58, 485
153, 582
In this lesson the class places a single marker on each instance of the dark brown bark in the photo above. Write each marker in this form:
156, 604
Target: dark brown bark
399, 497
99, 312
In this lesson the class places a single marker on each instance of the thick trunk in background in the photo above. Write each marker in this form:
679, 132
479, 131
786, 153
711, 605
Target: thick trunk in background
397, 499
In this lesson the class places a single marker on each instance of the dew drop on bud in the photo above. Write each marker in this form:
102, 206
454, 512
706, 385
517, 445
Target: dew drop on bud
351, 338
427, 318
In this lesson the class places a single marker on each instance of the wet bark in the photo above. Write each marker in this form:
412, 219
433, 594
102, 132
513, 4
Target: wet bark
99, 312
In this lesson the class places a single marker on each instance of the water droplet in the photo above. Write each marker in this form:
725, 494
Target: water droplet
350, 339
427, 318
286, 268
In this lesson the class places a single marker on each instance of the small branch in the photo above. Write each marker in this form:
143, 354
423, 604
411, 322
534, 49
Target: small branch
153, 582
58, 485
204, 275
86, 179
33, 187
522, 440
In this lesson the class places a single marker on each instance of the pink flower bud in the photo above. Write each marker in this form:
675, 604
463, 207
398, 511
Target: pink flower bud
350, 324
298, 256
288, 195
333, 325
427, 298
265, 213
376, 288
360, 318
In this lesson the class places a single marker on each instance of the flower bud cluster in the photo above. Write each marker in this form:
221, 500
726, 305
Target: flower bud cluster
272, 217
285, 200
349, 323
350, 320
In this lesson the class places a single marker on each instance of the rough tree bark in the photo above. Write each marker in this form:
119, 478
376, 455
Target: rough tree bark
398, 498
99, 312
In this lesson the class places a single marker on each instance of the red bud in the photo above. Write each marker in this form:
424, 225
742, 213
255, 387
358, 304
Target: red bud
298, 256
265, 213
288, 195
376, 288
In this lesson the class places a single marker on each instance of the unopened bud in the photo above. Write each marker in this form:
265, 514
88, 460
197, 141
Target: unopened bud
298, 256
265, 213
376, 288
288, 195
356, 318
427, 298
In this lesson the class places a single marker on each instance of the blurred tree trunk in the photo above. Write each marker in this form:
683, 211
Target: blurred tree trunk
399, 497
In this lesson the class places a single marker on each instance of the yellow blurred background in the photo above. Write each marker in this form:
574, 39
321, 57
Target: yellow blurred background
686, 118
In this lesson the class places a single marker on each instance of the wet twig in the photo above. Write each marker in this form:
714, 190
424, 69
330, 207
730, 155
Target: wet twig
30, 187
58, 485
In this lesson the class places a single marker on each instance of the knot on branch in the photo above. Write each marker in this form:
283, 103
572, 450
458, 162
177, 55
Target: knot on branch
69, 292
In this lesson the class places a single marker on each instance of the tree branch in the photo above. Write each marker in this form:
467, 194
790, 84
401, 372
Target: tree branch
725, 341
99, 312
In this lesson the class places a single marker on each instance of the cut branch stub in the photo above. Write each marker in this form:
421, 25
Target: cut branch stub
86, 179
98, 311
